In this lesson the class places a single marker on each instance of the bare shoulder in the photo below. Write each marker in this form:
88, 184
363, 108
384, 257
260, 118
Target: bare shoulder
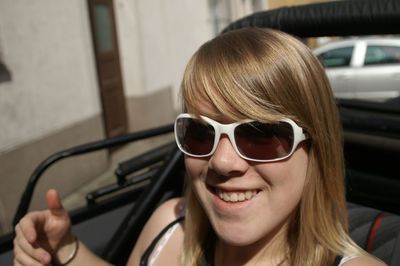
366, 260
166, 213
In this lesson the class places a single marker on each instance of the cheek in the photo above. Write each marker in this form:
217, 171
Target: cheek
295, 175
286, 179
196, 168
297, 172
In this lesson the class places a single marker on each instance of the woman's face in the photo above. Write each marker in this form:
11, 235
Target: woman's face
272, 190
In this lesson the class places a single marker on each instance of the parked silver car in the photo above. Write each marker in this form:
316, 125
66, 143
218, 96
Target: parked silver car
365, 68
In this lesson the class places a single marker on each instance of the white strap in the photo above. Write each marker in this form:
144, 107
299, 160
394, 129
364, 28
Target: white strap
160, 245
346, 259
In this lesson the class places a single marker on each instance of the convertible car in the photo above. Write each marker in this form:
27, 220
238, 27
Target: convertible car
371, 141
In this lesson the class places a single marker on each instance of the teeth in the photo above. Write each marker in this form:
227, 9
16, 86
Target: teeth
248, 194
236, 196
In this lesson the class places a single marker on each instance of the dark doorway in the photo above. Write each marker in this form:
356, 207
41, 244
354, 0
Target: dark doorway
108, 66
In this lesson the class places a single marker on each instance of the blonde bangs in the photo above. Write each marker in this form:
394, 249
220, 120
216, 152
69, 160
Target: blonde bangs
214, 79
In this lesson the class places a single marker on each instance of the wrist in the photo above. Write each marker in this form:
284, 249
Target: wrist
67, 252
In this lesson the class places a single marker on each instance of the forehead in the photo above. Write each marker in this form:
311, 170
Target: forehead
208, 109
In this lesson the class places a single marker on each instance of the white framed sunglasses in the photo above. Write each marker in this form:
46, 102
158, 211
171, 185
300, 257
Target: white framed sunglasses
252, 140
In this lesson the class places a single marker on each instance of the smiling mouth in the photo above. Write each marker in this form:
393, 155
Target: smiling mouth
236, 196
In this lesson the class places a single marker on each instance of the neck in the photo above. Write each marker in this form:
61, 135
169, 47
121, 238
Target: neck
270, 250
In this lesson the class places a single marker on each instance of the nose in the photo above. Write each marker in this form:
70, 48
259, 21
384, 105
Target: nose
225, 161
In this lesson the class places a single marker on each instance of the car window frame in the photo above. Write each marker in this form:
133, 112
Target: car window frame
352, 46
383, 44
358, 55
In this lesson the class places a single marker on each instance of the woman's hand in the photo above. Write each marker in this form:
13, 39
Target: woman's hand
42, 236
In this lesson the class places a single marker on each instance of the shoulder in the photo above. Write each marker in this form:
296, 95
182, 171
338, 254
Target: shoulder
364, 260
166, 213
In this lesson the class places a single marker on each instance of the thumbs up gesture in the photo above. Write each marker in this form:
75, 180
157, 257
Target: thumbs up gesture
42, 236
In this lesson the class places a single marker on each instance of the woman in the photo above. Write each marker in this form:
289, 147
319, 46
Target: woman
263, 155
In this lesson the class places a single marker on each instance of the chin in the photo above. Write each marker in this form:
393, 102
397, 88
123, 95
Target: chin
237, 242
235, 235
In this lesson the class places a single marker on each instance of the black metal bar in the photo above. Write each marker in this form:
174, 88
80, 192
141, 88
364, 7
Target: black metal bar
127, 167
107, 190
370, 106
121, 244
86, 212
93, 210
338, 18
6, 242
81, 149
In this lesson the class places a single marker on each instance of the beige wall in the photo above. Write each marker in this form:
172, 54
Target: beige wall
52, 101
280, 3
70, 174
48, 50
157, 39
66, 175
151, 110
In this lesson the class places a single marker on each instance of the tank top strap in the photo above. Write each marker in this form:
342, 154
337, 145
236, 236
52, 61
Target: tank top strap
346, 259
158, 243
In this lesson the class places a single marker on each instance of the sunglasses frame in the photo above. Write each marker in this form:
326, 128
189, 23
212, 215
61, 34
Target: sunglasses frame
228, 129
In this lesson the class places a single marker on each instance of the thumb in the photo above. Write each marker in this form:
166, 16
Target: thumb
54, 204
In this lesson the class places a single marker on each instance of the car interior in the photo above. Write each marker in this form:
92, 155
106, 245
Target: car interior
371, 145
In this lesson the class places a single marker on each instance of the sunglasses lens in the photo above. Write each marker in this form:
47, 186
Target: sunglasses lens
195, 137
264, 141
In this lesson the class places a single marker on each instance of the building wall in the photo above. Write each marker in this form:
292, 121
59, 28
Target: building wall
48, 50
52, 101
157, 39
66, 176
280, 3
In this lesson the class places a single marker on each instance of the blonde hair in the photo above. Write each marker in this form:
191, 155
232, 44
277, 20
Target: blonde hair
264, 74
